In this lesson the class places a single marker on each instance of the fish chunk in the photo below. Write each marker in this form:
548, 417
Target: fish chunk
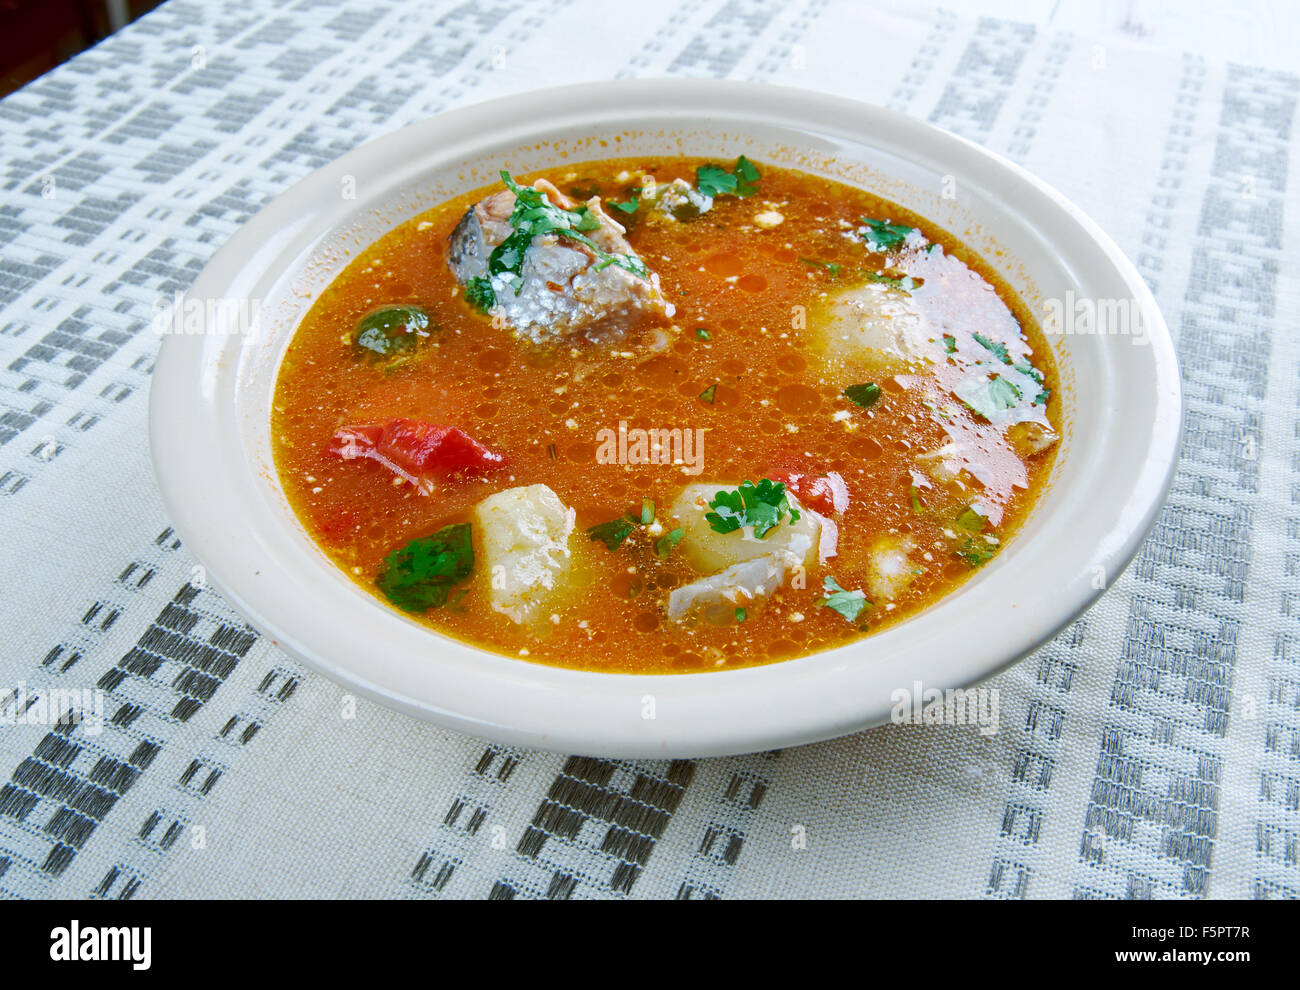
566, 290
716, 598
524, 535
742, 569
709, 551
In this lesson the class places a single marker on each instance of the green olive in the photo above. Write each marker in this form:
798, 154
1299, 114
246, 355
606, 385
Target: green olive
391, 330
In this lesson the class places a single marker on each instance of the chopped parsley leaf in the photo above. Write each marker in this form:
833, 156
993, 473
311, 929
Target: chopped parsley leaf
949, 343
714, 180
758, 506
533, 216
708, 394
479, 294
865, 395
633, 202
668, 542
988, 397
420, 575
905, 283
748, 175
973, 554
1025, 368
998, 348
831, 267
741, 615
881, 235
703, 334
1003, 392
847, 603
614, 532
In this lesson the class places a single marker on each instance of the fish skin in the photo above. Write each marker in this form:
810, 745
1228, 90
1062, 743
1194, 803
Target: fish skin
562, 297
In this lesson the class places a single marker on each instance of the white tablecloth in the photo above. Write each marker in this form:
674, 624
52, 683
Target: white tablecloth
1153, 750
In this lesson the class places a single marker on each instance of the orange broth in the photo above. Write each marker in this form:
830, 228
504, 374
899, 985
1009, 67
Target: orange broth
774, 408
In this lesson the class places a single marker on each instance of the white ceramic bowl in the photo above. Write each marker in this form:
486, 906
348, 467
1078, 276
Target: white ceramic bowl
210, 432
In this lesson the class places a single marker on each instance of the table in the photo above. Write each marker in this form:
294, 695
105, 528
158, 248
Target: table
1152, 750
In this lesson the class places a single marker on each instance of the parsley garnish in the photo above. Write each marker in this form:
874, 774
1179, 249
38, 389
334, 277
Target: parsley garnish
847, 603
949, 343
760, 506
997, 347
633, 202
973, 554
881, 235
1025, 368
970, 518
988, 397
708, 394
741, 615
479, 294
703, 334
668, 542
906, 283
1003, 392
533, 216
614, 532
419, 576
714, 180
864, 395
831, 267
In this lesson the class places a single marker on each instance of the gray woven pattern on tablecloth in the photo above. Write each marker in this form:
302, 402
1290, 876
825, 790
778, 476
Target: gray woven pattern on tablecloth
1152, 750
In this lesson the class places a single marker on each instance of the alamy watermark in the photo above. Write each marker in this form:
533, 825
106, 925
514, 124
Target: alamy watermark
20, 705
1084, 315
682, 447
182, 314
919, 705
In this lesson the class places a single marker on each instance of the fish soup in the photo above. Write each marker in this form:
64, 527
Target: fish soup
664, 415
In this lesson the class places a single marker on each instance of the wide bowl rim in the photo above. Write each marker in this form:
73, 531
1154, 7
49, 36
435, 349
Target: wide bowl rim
541, 706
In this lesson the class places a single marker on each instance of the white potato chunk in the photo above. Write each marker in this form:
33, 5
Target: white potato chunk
710, 552
890, 570
874, 322
718, 596
524, 541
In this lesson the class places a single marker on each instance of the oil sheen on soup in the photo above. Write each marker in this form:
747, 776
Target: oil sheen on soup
664, 415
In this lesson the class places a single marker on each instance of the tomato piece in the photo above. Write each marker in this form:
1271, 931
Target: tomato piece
415, 450
824, 494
